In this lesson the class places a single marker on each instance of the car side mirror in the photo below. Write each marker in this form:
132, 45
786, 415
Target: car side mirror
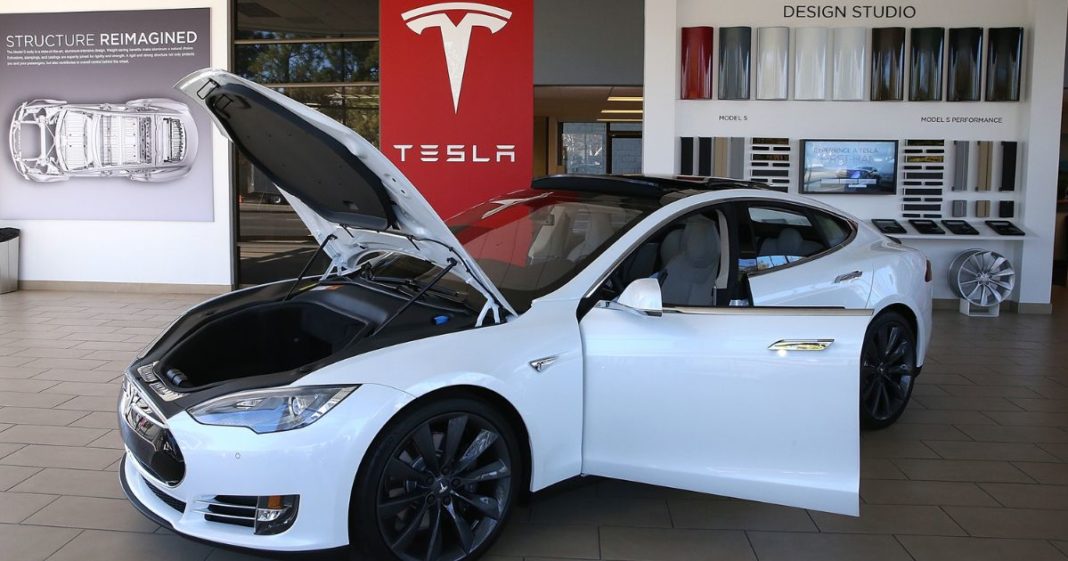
643, 295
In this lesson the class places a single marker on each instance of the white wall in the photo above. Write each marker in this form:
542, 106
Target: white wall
183, 253
1034, 121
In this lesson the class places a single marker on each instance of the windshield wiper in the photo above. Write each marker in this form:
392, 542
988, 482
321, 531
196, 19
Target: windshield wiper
402, 282
441, 274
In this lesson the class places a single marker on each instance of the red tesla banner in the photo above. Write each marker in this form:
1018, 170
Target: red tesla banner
457, 108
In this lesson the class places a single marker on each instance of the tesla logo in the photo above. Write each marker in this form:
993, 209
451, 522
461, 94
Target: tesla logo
456, 37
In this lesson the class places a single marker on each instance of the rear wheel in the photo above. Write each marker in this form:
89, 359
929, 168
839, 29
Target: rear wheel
887, 370
439, 484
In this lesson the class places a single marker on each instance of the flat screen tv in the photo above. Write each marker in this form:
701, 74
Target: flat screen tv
853, 167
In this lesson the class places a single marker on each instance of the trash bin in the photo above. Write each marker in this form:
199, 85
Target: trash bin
9, 260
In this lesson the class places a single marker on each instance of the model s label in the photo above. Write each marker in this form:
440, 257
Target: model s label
456, 37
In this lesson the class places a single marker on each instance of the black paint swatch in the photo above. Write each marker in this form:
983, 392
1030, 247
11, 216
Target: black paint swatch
1003, 64
925, 63
887, 63
735, 44
963, 70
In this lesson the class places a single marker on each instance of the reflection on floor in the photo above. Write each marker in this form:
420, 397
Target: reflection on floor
976, 469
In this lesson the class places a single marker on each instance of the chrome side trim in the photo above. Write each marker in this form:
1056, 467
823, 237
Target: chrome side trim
801, 345
787, 312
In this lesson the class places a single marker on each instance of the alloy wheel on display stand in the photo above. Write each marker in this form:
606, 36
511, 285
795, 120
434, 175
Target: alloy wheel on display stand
982, 279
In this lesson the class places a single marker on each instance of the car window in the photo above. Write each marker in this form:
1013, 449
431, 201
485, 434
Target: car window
531, 243
780, 236
835, 230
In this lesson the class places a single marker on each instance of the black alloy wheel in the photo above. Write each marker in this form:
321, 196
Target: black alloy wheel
887, 370
443, 484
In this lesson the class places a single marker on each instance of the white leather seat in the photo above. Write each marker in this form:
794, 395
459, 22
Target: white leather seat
691, 275
789, 243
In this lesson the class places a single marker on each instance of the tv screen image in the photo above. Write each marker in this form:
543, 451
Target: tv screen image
866, 167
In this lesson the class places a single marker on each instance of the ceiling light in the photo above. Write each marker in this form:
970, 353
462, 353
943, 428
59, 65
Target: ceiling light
623, 111
637, 99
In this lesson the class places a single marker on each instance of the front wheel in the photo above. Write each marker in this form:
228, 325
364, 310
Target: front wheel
887, 370
439, 484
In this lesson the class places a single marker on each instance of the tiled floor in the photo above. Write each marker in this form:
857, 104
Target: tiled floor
977, 469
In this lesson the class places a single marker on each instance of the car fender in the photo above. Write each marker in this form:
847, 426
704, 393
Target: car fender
891, 286
497, 359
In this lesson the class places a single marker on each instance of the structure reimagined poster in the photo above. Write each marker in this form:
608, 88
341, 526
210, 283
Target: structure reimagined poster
97, 130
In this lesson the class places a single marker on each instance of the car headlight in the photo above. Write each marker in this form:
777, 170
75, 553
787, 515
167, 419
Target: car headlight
271, 410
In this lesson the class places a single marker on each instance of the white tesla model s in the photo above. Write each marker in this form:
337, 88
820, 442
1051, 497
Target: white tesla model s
694, 333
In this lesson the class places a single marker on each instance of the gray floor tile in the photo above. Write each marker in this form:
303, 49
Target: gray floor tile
962, 470
90, 403
937, 548
98, 389
879, 469
601, 511
1011, 523
32, 543
27, 385
39, 416
62, 456
25, 399
97, 420
13, 475
60, 436
92, 513
996, 433
1010, 451
75, 482
789, 546
17, 507
527, 540
655, 544
890, 519
1042, 472
111, 546
924, 493
738, 515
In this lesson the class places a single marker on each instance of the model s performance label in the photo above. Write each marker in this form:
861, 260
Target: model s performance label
457, 108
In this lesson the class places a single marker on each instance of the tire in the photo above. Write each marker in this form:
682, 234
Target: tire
887, 370
453, 464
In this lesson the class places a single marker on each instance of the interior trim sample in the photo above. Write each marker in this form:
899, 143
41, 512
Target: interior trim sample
959, 209
1003, 59
925, 63
961, 150
686, 155
1008, 166
963, 66
704, 156
982, 209
735, 44
696, 63
887, 63
850, 59
770, 162
773, 63
810, 63
985, 161
728, 157
1006, 209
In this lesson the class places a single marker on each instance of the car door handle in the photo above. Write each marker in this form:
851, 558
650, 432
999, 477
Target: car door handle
848, 276
801, 345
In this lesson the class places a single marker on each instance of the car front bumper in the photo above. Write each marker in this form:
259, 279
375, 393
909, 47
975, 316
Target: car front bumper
318, 463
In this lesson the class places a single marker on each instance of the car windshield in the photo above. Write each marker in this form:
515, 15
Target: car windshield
532, 242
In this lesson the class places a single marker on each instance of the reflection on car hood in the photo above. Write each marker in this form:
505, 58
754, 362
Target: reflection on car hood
349, 194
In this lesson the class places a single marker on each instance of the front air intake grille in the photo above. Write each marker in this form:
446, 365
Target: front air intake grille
229, 509
171, 501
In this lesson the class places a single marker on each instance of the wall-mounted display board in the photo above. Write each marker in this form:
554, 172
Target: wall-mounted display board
939, 82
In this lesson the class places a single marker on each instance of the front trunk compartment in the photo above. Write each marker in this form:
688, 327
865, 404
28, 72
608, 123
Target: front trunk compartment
272, 337
257, 338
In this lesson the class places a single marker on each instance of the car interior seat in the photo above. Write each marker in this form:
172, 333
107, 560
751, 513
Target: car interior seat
690, 277
600, 229
789, 242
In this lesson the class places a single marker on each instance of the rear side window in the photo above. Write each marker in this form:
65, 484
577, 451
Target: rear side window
835, 230
784, 234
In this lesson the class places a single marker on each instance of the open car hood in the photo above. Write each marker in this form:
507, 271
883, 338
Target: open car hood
338, 183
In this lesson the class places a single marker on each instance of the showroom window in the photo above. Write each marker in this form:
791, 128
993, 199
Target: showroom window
600, 148
324, 54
